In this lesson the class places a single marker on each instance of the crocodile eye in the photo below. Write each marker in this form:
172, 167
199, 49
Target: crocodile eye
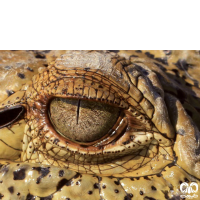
82, 120
10, 115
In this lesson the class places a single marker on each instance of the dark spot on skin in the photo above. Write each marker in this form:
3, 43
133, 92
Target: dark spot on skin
116, 182
116, 190
9, 92
30, 69
146, 178
186, 180
150, 198
11, 189
40, 55
181, 132
141, 192
4, 169
126, 142
20, 75
104, 186
1, 181
61, 184
30, 197
153, 188
149, 55
43, 171
1, 196
99, 178
56, 141
127, 197
166, 194
132, 179
69, 182
61, 173
130, 194
47, 198
96, 186
19, 174
18, 193
90, 192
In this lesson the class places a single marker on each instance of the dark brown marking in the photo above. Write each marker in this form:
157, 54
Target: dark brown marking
47, 198
186, 180
40, 55
30, 197
10, 92
150, 198
20, 75
116, 191
127, 197
19, 174
96, 186
43, 171
56, 141
90, 192
1, 196
147, 178
116, 182
11, 189
61, 173
61, 184
141, 192
104, 186
31, 70
153, 188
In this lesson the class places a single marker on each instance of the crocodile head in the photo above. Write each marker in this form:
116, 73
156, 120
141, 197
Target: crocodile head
96, 125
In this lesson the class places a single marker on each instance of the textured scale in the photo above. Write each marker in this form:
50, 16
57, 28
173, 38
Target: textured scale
158, 150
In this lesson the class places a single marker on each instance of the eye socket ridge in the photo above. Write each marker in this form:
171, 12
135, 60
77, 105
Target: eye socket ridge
11, 115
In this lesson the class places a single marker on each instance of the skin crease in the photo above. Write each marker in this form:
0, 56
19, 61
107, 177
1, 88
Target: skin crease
150, 149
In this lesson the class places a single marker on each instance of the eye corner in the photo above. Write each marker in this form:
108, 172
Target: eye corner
9, 115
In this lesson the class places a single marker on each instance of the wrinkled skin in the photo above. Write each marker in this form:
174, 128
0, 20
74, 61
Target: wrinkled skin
155, 143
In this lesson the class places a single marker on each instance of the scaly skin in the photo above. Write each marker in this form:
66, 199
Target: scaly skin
155, 146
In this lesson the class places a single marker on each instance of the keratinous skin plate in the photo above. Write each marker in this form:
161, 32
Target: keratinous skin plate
153, 149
